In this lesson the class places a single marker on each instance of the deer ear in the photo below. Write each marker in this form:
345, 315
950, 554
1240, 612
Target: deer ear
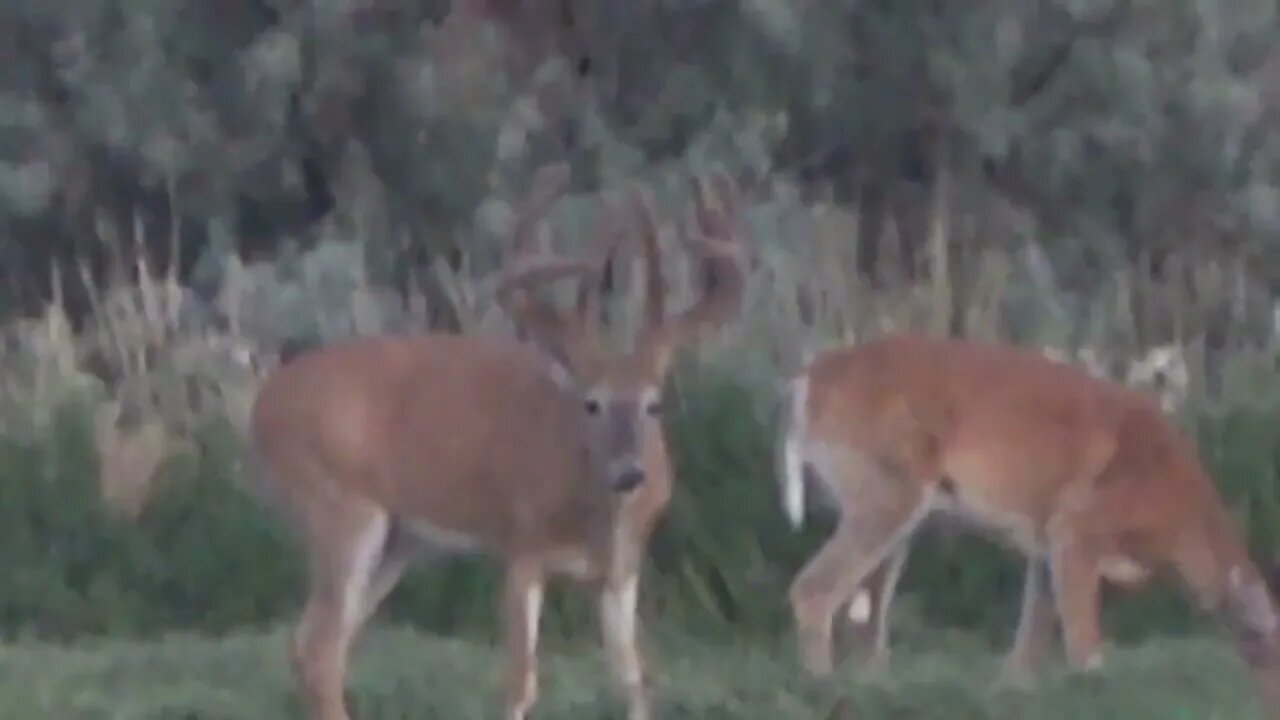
570, 358
559, 370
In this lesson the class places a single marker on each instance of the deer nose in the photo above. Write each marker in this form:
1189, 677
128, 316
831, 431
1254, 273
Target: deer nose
628, 478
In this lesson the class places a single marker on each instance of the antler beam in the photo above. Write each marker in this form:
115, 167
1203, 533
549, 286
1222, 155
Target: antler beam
711, 233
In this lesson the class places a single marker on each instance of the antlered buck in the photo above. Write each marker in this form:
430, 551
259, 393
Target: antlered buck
1087, 478
547, 454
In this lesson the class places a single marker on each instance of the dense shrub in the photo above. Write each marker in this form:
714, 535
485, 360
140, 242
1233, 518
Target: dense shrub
205, 556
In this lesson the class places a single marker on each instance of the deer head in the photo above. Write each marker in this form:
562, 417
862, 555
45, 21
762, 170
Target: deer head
620, 392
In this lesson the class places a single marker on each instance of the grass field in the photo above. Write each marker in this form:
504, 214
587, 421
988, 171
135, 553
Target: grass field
401, 674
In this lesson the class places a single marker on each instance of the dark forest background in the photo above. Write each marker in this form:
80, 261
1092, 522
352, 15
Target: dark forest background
190, 189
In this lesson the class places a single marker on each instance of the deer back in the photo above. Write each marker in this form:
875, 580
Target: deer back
1016, 436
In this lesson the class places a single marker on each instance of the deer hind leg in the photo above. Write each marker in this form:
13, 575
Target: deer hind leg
858, 634
398, 551
868, 611
522, 602
878, 519
1035, 627
882, 601
344, 555
618, 626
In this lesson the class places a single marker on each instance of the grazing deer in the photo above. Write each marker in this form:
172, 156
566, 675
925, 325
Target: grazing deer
1087, 478
548, 454
1162, 373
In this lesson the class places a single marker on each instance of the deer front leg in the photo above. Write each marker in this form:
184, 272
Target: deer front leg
1035, 628
523, 608
618, 626
1076, 584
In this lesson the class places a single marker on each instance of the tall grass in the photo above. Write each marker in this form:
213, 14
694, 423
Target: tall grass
121, 445
204, 556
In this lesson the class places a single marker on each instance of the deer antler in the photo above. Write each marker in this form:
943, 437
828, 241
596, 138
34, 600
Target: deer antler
571, 337
711, 234
655, 284
716, 240
545, 189
608, 235
533, 316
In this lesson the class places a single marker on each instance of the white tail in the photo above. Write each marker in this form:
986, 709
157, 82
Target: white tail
793, 480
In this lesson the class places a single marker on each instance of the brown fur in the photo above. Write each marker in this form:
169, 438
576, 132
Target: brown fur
548, 455
1086, 477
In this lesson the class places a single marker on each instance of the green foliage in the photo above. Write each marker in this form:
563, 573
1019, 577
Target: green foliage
398, 673
725, 542
1095, 137
207, 557
1104, 120
202, 557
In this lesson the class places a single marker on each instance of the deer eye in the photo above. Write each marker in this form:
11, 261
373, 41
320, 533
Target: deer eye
592, 406
653, 409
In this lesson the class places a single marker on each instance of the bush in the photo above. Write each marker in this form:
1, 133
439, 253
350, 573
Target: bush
205, 556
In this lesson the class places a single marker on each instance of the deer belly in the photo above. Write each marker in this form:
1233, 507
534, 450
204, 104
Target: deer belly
573, 562
994, 520
437, 537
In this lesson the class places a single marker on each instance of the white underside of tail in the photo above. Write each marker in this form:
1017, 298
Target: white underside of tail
793, 452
